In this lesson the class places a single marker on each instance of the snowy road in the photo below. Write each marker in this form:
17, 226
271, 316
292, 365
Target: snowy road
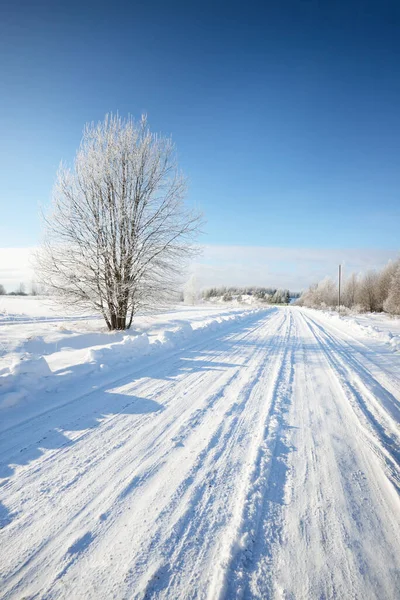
259, 463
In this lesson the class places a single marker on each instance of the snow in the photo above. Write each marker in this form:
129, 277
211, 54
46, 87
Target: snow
381, 326
213, 452
52, 361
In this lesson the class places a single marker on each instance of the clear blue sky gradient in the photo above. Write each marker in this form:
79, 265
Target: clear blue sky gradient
286, 115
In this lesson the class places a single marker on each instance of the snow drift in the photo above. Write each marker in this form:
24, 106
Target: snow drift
30, 373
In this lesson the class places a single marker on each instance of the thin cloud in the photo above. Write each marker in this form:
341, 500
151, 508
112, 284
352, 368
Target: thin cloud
294, 268
15, 267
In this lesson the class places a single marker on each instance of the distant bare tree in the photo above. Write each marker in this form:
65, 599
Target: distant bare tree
34, 289
392, 303
2, 290
375, 291
21, 290
190, 291
118, 235
350, 291
326, 292
384, 282
369, 292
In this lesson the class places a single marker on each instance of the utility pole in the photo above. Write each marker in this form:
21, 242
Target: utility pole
340, 278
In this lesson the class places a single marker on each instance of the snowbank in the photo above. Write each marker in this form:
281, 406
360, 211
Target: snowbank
30, 373
382, 327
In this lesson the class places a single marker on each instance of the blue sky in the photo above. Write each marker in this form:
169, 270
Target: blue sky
285, 114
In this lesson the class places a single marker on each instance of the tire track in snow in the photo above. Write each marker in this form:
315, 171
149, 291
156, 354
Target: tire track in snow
151, 363
346, 506
381, 434
65, 423
203, 499
375, 382
309, 513
256, 509
87, 509
199, 492
368, 355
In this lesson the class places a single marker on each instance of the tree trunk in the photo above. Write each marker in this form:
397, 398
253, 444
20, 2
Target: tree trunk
118, 320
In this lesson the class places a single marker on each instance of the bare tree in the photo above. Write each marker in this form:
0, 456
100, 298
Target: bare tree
34, 288
369, 292
118, 234
374, 291
392, 303
190, 291
350, 291
2, 290
385, 279
324, 294
20, 291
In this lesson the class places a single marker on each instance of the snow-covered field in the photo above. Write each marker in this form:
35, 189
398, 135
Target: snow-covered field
213, 452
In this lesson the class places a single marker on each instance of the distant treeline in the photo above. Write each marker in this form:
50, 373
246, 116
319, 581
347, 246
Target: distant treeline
34, 290
264, 294
374, 291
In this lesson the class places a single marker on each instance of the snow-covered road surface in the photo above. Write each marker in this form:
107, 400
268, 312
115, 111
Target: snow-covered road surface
259, 463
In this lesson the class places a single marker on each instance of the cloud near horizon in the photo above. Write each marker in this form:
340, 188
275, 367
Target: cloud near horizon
293, 268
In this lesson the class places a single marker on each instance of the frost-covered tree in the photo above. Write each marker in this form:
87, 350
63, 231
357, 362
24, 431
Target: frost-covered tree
369, 292
275, 297
34, 288
2, 290
117, 234
384, 281
374, 291
326, 292
307, 297
350, 290
392, 303
190, 291
20, 291
320, 295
